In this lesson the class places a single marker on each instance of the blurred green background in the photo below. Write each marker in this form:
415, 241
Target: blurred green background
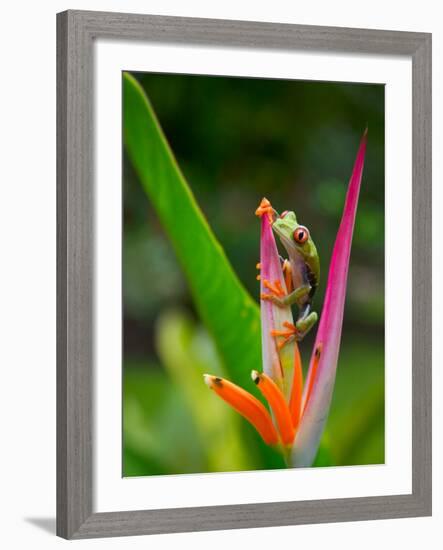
237, 140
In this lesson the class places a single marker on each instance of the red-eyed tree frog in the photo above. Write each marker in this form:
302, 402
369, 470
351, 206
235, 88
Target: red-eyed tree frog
302, 272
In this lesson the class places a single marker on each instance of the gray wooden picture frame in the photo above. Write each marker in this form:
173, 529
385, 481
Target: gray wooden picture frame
76, 32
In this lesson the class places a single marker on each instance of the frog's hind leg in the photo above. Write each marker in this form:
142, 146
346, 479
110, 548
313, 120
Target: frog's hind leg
305, 325
287, 274
306, 320
289, 332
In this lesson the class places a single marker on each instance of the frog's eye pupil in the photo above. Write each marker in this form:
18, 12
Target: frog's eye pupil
283, 214
301, 234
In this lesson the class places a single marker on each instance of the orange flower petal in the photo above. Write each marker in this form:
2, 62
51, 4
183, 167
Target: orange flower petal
246, 405
278, 404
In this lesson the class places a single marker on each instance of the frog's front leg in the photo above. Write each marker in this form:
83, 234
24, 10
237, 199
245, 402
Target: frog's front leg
287, 273
282, 300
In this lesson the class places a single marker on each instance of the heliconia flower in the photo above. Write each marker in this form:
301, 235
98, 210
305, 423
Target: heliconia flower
281, 359
281, 381
299, 413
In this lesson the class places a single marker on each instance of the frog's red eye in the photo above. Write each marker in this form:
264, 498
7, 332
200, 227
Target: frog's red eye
301, 234
283, 214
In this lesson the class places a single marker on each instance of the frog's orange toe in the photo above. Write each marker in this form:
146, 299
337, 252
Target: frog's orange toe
275, 288
287, 335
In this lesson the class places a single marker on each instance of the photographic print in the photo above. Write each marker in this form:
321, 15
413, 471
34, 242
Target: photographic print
253, 274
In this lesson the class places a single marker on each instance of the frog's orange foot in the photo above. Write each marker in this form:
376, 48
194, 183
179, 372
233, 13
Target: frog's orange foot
258, 266
275, 288
265, 207
289, 334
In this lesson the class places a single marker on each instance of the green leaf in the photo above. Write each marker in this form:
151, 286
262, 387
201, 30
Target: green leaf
227, 310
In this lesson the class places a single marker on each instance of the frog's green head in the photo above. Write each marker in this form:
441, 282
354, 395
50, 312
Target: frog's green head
293, 235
